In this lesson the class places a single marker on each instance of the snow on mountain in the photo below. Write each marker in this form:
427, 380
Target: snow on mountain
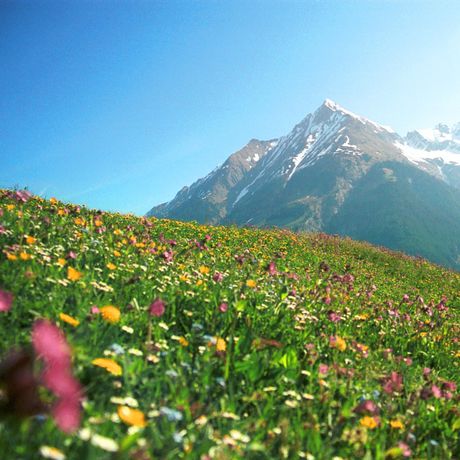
332, 136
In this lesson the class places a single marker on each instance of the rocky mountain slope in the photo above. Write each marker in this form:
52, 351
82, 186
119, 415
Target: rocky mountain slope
342, 173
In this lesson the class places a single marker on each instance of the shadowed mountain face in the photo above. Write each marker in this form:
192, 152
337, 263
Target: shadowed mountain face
339, 172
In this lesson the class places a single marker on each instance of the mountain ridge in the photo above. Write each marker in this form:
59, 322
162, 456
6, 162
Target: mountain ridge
303, 179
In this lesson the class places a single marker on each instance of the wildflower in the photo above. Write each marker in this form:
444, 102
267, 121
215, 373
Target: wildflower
117, 253
251, 284
117, 349
218, 277
271, 269
30, 239
11, 257
104, 443
183, 341
111, 266
73, 275
110, 314
127, 329
52, 452
204, 270
369, 422
50, 344
6, 300
323, 369
171, 414
334, 317
61, 262
69, 319
220, 344
157, 308
130, 416
66, 414
397, 424
53, 200
24, 256
135, 352
223, 307
108, 364
367, 406
392, 383
337, 342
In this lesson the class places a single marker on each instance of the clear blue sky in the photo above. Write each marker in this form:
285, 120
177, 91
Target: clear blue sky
117, 105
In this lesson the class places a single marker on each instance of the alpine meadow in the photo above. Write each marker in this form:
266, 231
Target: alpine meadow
145, 338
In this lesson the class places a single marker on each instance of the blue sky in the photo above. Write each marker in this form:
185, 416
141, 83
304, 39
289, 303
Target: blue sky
117, 105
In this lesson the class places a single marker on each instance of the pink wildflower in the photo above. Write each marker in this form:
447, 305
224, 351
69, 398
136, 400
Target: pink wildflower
50, 344
6, 300
157, 308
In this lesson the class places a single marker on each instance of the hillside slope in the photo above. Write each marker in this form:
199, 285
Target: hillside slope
196, 342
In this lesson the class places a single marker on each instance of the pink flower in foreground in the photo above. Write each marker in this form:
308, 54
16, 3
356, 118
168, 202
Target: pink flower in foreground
50, 344
223, 307
6, 300
157, 308
61, 382
67, 414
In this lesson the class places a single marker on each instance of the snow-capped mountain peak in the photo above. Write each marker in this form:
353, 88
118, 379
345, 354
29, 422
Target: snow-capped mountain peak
335, 107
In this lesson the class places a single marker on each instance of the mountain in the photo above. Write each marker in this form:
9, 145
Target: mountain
339, 172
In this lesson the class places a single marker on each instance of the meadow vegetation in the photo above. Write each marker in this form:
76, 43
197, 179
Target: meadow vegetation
137, 338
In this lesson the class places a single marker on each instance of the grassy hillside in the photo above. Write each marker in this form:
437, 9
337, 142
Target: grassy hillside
220, 342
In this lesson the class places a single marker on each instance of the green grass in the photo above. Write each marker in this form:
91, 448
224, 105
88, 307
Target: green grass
264, 395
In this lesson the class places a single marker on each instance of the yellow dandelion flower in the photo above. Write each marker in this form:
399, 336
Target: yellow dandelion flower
204, 270
10, 256
117, 231
98, 223
116, 253
53, 200
220, 344
61, 261
79, 221
10, 207
69, 319
30, 240
108, 364
183, 341
397, 424
368, 422
24, 256
111, 266
130, 416
110, 313
73, 275
61, 212
251, 284
338, 342
362, 317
